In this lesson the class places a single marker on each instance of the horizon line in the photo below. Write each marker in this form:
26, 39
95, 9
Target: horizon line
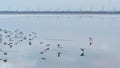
62, 12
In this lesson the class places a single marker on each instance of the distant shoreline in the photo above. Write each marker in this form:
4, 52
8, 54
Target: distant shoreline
63, 12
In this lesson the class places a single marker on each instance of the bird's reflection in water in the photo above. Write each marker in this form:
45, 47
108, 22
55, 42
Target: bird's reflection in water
59, 54
47, 44
41, 42
5, 60
43, 58
30, 43
5, 53
82, 49
82, 54
59, 46
91, 41
41, 52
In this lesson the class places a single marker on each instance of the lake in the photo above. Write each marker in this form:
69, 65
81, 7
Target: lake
60, 41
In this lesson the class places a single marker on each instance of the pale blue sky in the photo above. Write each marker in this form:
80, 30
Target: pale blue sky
59, 4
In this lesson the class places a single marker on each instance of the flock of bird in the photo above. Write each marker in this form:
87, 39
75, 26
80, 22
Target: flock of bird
12, 38
47, 48
83, 49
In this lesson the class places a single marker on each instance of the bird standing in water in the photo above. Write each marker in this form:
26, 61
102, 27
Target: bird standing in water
47, 49
43, 58
82, 54
30, 43
91, 41
5, 53
90, 38
82, 49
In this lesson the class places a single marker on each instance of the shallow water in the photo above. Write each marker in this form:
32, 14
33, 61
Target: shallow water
72, 32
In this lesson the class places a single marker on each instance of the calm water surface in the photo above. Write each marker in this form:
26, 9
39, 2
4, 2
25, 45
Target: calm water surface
72, 32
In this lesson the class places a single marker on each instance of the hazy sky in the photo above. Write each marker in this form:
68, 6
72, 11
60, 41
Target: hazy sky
59, 5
